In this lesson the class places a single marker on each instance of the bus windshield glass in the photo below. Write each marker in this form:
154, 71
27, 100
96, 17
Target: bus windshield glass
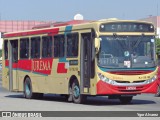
127, 52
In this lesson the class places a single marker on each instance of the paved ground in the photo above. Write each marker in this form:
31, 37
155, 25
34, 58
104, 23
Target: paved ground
16, 101
10, 101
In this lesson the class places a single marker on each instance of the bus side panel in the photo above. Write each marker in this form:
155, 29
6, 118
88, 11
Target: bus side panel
39, 83
37, 71
56, 81
5, 74
20, 78
5, 64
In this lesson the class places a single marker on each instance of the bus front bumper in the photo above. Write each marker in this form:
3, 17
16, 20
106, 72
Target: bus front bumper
104, 88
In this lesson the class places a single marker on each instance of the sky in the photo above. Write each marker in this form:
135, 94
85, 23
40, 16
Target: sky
64, 10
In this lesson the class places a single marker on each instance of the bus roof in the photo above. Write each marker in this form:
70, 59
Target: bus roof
55, 27
58, 24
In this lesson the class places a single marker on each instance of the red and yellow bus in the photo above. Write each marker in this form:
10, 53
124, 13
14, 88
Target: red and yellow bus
114, 58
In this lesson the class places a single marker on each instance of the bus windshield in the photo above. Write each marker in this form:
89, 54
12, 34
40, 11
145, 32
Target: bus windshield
127, 52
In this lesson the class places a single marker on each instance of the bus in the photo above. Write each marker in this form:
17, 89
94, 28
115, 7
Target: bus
109, 57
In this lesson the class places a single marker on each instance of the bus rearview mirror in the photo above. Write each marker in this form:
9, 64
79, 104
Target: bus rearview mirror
97, 44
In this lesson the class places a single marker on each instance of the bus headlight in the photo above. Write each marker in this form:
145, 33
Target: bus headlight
105, 79
151, 80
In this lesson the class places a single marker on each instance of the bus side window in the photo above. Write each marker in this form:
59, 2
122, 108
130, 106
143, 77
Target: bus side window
72, 45
46, 46
35, 47
6, 49
59, 46
24, 48
14, 47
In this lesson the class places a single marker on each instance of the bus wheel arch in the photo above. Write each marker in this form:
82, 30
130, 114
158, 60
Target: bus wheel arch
28, 90
25, 78
72, 79
158, 91
24, 81
74, 91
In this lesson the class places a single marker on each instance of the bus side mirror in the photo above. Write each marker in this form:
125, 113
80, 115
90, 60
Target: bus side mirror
97, 44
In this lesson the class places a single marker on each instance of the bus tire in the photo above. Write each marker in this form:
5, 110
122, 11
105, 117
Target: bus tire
77, 97
158, 92
28, 89
125, 99
70, 96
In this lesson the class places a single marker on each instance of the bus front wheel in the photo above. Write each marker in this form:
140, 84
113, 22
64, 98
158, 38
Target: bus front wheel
158, 92
77, 97
125, 99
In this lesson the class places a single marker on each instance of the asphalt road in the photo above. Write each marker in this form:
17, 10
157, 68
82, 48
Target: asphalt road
11, 101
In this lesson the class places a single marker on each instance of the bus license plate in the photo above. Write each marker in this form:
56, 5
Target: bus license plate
131, 88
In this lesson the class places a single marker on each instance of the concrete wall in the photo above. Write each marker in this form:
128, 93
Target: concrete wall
12, 25
1, 42
156, 21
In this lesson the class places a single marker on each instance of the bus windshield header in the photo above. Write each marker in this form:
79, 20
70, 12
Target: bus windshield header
126, 27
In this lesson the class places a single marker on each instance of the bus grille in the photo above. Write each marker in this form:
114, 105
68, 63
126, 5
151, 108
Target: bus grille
122, 81
137, 72
141, 81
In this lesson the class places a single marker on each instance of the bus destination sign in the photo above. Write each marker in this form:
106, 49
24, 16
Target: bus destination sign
126, 27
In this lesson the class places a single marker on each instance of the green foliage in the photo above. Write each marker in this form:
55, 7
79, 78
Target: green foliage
0, 53
158, 45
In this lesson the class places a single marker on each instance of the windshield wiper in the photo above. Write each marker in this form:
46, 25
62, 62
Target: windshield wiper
123, 46
137, 42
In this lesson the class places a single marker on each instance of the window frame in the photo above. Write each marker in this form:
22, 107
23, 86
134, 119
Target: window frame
29, 48
32, 48
7, 41
75, 33
59, 35
51, 46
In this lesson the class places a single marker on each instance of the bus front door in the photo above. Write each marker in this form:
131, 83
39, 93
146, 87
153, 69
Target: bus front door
85, 62
13, 64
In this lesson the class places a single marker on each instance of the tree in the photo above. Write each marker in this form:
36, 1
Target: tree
0, 53
158, 46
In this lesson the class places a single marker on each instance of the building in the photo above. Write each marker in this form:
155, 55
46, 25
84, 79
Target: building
156, 21
14, 25
0, 41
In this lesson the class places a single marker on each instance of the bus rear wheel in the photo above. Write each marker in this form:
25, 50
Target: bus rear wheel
28, 89
125, 99
77, 97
